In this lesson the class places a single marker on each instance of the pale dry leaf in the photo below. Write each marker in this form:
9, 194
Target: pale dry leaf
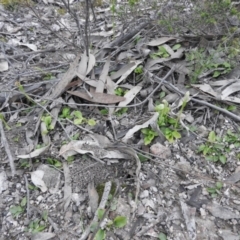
130, 95
206, 88
67, 186
235, 87
42, 236
91, 63
176, 55
125, 71
103, 98
36, 178
221, 212
89, 146
16, 42
103, 77
129, 71
136, 128
35, 153
82, 67
3, 182
3, 65
222, 83
93, 196
159, 41
189, 217
168, 49
110, 86
103, 34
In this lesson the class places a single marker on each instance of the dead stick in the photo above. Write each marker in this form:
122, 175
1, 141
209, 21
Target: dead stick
7, 149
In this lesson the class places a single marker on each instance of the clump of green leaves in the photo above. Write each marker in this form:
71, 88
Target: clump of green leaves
66, 113
47, 119
168, 125
38, 225
139, 69
121, 111
216, 148
163, 53
117, 222
54, 162
149, 135
214, 191
120, 91
13, 4
77, 117
204, 62
4, 122
19, 209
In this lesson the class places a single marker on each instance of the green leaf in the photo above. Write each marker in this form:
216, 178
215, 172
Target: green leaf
66, 112
58, 164
211, 190
104, 111
93, 226
77, 114
100, 235
216, 74
100, 213
142, 158
16, 210
23, 202
91, 122
120, 221
222, 159
75, 136
212, 136
45, 215
219, 185
176, 134
162, 236
162, 94
78, 121
145, 131
176, 46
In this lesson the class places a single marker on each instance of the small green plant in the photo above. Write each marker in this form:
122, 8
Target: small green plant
162, 53
47, 119
13, 4
54, 162
66, 113
117, 222
75, 136
139, 69
36, 226
213, 150
91, 122
78, 117
48, 76
204, 62
104, 111
24, 163
70, 159
19, 209
119, 91
168, 125
214, 191
162, 236
4, 122
121, 111
149, 135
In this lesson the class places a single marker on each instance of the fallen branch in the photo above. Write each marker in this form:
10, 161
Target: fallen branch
7, 149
